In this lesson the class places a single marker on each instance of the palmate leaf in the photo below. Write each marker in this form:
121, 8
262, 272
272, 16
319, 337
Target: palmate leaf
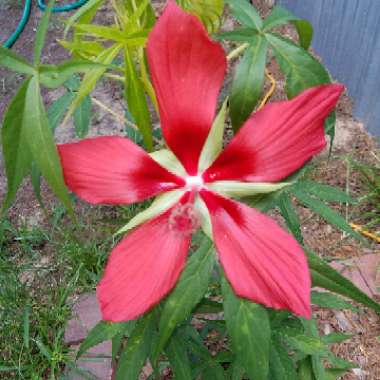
301, 69
280, 16
249, 329
208, 11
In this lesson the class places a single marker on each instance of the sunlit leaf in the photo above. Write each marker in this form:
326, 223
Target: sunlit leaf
249, 329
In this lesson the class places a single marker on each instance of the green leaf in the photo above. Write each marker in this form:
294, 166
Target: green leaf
334, 373
325, 212
245, 13
324, 192
189, 290
137, 103
328, 278
177, 355
14, 62
138, 347
306, 344
41, 142
238, 35
280, 16
281, 366
330, 300
26, 326
305, 32
248, 81
58, 108
42, 29
300, 68
90, 78
53, 76
289, 214
305, 369
249, 329
335, 338
84, 14
208, 11
82, 117
100, 333
17, 157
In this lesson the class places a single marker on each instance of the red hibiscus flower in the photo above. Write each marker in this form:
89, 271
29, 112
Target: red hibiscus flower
194, 181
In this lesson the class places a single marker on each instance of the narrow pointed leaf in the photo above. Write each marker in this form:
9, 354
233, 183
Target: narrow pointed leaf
101, 332
248, 81
84, 14
280, 16
42, 29
331, 301
328, 278
189, 290
325, 212
324, 192
249, 329
137, 102
82, 117
138, 347
289, 214
14, 62
245, 13
300, 68
53, 76
281, 366
58, 108
91, 77
41, 142
179, 361
17, 157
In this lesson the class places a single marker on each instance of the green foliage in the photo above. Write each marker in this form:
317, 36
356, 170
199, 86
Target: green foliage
208, 11
300, 68
249, 330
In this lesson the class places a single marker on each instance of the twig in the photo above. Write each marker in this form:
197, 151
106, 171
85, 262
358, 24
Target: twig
270, 91
236, 52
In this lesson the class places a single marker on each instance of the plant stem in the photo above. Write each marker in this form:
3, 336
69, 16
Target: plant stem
236, 52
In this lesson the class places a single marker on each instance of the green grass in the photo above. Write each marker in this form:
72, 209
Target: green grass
41, 268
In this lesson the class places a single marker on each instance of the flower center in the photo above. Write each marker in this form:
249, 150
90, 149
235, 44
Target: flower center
194, 182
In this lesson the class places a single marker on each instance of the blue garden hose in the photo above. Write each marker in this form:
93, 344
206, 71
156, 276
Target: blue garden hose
26, 12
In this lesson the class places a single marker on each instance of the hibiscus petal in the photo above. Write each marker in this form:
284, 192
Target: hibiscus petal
262, 262
142, 269
279, 139
113, 170
187, 71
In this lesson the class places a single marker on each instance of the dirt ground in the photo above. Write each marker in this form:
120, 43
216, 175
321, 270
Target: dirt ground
351, 141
